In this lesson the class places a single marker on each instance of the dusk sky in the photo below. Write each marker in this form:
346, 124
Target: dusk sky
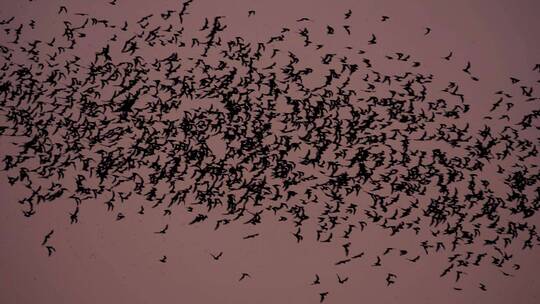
117, 255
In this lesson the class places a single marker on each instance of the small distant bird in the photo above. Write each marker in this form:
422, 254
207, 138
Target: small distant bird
342, 281
414, 259
373, 39
250, 236
390, 279
164, 230
47, 237
298, 236
323, 296
467, 68
120, 216
244, 275
216, 257
387, 251
448, 57
50, 250
329, 30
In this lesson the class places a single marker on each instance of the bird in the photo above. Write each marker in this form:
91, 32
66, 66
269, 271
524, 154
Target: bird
329, 30
414, 259
342, 281
341, 262
387, 250
216, 257
323, 296
448, 56
164, 230
250, 236
346, 248
47, 237
467, 68
390, 279
50, 250
373, 39
298, 236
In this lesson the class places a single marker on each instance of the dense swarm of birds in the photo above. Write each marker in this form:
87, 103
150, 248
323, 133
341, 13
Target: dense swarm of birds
240, 131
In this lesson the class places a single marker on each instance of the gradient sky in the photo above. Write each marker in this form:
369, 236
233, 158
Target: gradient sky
100, 260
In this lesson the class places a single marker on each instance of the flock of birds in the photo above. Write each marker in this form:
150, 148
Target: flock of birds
241, 131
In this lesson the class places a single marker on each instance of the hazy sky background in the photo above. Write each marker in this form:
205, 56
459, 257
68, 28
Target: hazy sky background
100, 260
